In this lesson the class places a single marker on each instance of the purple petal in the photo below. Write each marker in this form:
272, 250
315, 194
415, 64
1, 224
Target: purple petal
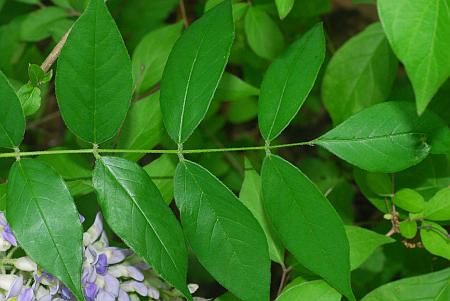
104, 296
26, 295
9, 236
66, 294
112, 285
90, 291
116, 255
15, 288
123, 296
134, 286
102, 264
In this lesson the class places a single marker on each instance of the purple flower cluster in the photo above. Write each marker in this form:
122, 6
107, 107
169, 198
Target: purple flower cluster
109, 273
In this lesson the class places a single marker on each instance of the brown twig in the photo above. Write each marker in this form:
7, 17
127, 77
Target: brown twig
183, 14
54, 54
283, 280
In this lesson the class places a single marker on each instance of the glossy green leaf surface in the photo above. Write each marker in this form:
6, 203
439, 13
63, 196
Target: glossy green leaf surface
143, 127
435, 239
224, 235
317, 290
284, 7
43, 216
135, 210
151, 54
430, 287
12, 120
194, 69
387, 137
263, 35
288, 82
419, 32
360, 74
93, 76
363, 243
408, 229
30, 98
409, 200
250, 196
438, 207
306, 222
232, 87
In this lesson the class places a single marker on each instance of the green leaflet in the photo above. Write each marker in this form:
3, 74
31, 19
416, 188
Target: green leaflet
30, 98
93, 76
150, 56
409, 200
232, 87
288, 82
435, 239
408, 229
387, 137
419, 32
224, 235
193, 71
38, 24
43, 216
317, 290
3, 193
360, 74
250, 196
284, 7
306, 222
143, 127
12, 120
363, 243
263, 35
134, 209
438, 207
433, 287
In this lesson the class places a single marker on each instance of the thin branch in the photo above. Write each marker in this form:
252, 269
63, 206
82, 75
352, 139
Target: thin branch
183, 14
151, 151
54, 54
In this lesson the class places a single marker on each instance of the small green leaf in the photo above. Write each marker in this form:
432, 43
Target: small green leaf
36, 74
360, 74
232, 87
135, 211
30, 98
250, 196
37, 25
408, 229
284, 7
224, 235
263, 35
43, 216
419, 33
162, 172
435, 239
242, 110
438, 207
143, 127
387, 137
151, 54
12, 120
194, 69
363, 243
433, 287
379, 183
317, 290
409, 200
288, 82
93, 79
69, 166
3, 194
306, 222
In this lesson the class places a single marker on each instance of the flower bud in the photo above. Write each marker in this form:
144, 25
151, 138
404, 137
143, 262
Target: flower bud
25, 264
